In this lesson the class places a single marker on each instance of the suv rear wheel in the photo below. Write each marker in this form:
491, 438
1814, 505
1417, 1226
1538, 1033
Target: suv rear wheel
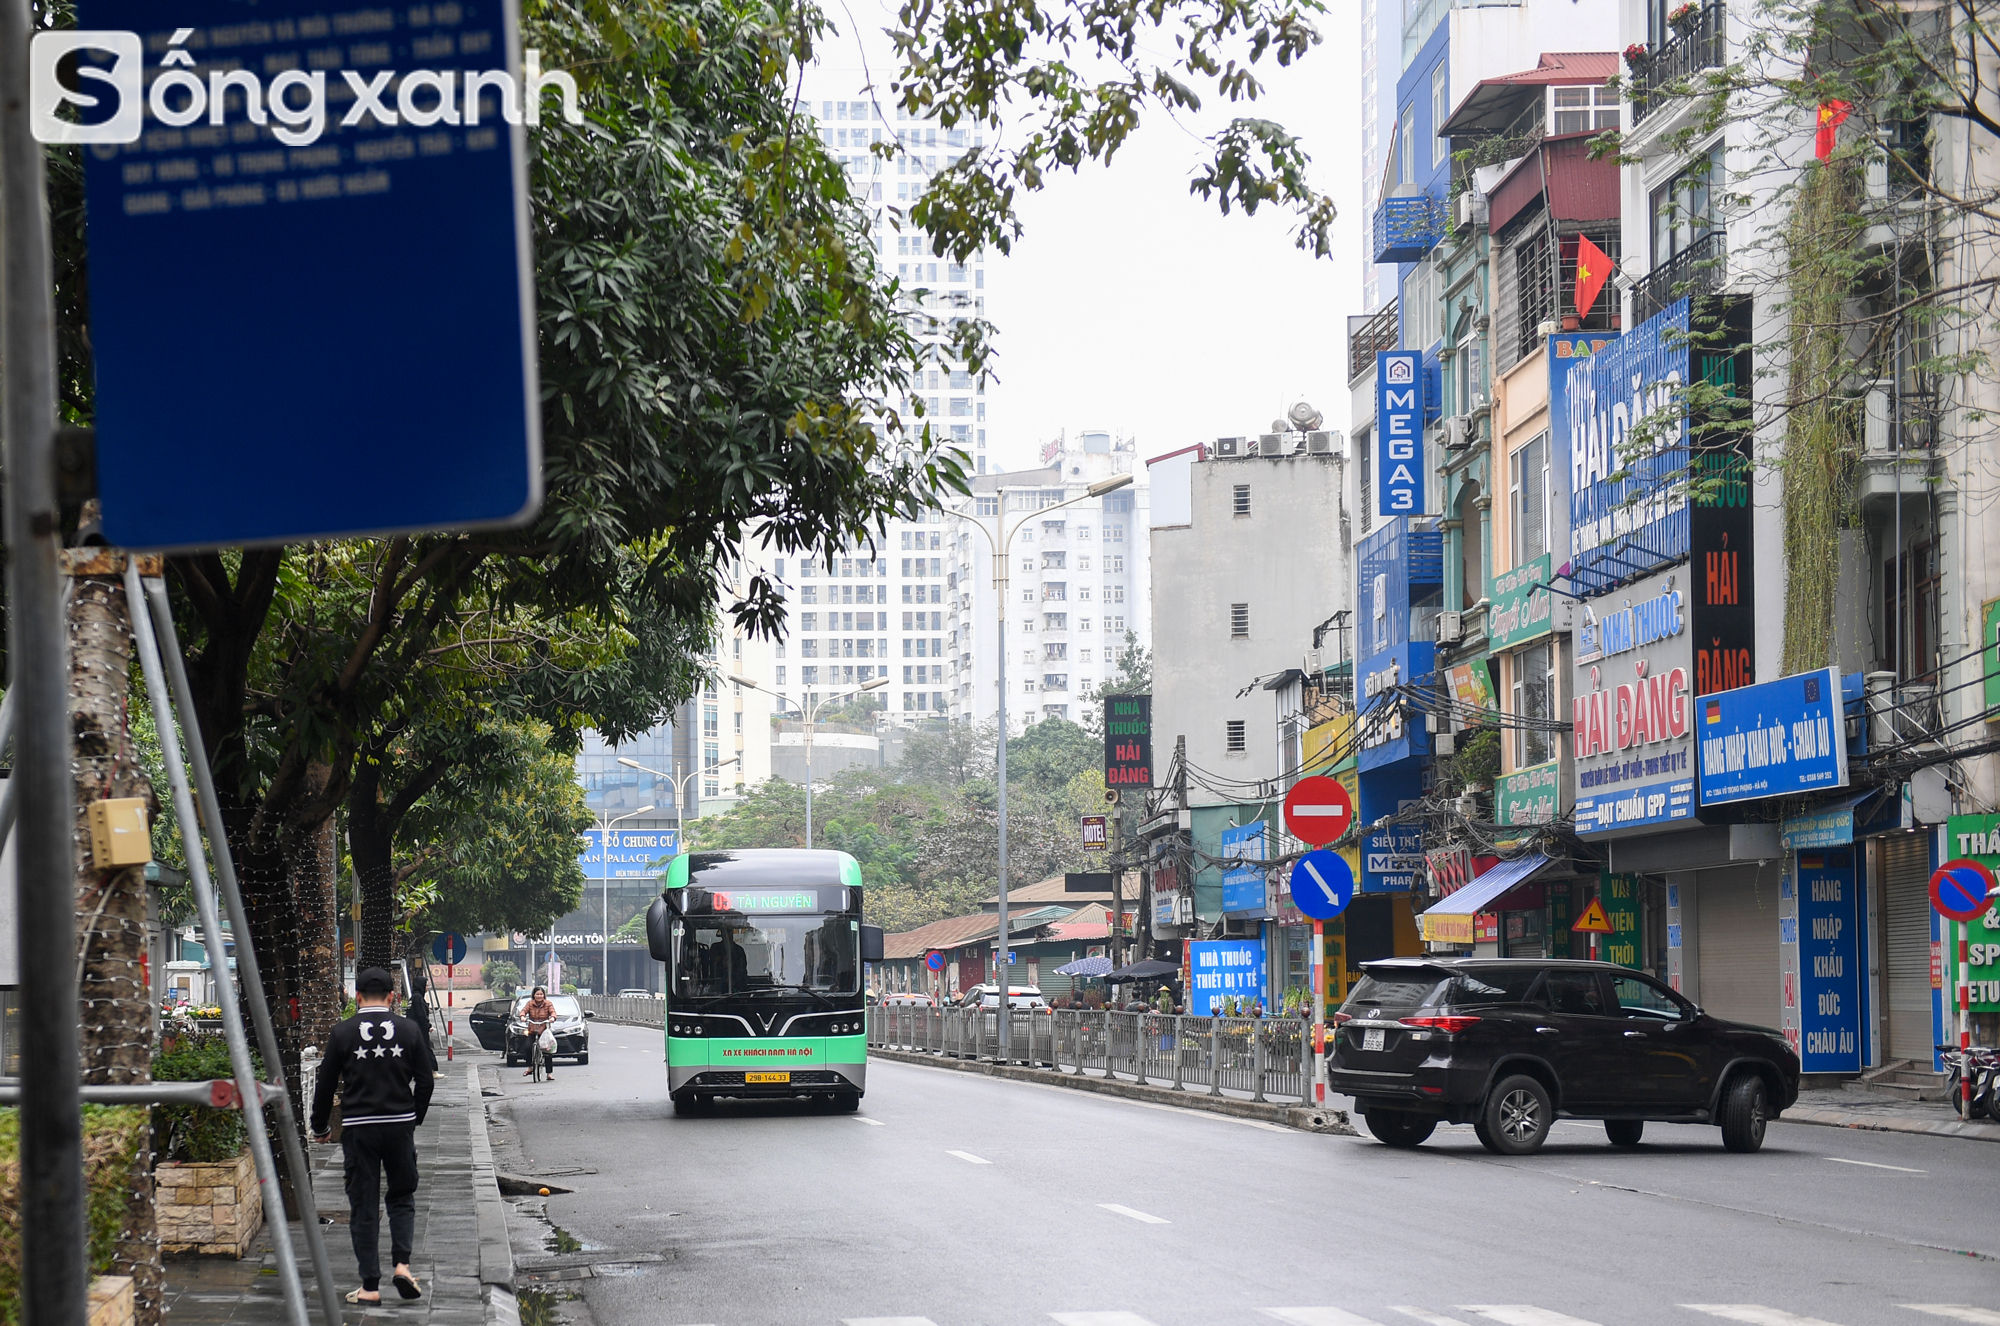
1517, 1116
1624, 1132
1745, 1111
1399, 1128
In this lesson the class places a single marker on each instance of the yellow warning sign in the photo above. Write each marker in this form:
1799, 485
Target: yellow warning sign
1593, 920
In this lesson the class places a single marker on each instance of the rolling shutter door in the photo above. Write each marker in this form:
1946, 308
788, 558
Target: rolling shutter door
1906, 873
1736, 919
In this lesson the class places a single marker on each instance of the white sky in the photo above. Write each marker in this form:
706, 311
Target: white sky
1132, 305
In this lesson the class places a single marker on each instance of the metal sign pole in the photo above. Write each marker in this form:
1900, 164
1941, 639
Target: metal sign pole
161, 620
54, 1273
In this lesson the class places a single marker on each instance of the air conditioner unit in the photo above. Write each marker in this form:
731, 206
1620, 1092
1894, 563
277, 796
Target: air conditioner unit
1322, 442
1451, 627
1228, 448
1239, 927
1445, 743
1271, 444
1312, 663
1458, 432
1472, 208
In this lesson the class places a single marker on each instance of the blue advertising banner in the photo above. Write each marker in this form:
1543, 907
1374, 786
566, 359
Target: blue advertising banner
355, 236
1569, 358
1628, 511
1830, 993
1398, 733
1392, 858
1399, 433
635, 853
1243, 885
1779, 738
1225, 969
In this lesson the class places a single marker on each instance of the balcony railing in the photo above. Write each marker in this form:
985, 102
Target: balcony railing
1368, 335
1407, 228
1698, 269
1701, 44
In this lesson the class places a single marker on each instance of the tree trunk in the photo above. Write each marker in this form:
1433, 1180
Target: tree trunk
312, 859
371, 844
116, 1014
274, 933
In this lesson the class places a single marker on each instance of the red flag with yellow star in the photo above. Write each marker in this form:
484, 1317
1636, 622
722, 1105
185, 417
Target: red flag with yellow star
1593, 269
1832, 114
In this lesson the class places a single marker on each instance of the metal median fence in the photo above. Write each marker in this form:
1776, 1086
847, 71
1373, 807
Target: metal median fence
637, 1010
1263, 1058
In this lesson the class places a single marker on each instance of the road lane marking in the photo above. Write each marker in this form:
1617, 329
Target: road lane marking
1428, 1318
1901, 1169
1957, 1312
877, 1123
1099, 1319
1523, 1314
887, 1321
1320, 1317
968, 1158
1754, 1314
1136, 1215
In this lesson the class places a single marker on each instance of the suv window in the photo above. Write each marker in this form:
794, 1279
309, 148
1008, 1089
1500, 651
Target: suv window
1642, 999
1399, 991
1574, 992
1505, 985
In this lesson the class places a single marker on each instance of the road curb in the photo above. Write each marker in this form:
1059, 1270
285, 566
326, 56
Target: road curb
1305, 1118
496, 1252
1875, 1123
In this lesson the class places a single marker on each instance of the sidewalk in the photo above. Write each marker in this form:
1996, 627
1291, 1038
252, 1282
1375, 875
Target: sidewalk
1854, 1106
462, 1256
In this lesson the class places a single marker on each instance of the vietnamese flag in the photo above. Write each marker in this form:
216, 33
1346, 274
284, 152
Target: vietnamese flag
1832, 114
1593, 269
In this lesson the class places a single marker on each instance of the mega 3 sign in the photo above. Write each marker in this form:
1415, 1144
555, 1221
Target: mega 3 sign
1399, 430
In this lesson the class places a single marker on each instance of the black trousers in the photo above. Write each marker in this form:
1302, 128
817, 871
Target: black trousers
369, 1151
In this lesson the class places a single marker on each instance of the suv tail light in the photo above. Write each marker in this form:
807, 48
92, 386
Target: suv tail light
1450, 1026
1339, 1018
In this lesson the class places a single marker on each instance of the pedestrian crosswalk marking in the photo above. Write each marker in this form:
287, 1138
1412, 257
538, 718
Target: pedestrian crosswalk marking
858, 1118
1754, 1314
1957, 1312
969, 1158
1099, 1319
887, 1321
1428, 1318
1141, 1216
1320, 1317
1523, 1314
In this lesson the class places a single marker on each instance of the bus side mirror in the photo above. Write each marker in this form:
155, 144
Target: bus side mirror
657, 931
871, 943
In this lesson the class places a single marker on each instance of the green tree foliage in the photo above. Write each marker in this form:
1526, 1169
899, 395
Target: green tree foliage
503, 977
1050, 753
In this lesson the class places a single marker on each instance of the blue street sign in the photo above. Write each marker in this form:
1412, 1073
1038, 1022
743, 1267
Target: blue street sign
1399, 428
1779, 738
935, 961
1243, 884
449, 947
1322, 884
311, 294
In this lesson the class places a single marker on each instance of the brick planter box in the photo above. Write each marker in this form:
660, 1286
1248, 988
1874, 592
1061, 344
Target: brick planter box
208, 1210
111, 1301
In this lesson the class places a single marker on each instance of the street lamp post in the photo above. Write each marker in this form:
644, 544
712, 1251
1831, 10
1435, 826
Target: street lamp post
1000, 540
679, 782
604, 828
810, 716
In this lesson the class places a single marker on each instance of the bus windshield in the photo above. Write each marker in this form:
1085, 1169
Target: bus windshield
734, 955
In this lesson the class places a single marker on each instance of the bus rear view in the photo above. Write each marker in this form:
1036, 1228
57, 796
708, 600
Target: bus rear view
764, 951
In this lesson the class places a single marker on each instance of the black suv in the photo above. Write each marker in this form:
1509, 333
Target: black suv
1508, 1044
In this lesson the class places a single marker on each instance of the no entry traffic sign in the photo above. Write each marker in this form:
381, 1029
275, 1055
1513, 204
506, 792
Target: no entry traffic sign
1962, 889
1322, 885
1318, 810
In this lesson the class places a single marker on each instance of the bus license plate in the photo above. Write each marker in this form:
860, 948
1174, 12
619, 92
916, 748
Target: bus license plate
753, 1078
1371, 1038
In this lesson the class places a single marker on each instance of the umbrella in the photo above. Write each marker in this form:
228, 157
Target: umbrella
1086, 967
1149, 969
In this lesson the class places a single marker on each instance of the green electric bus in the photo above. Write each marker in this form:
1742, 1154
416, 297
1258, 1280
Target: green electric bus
764, 951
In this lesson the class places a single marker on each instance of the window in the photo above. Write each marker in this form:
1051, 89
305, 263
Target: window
1529, 495
1406, 131
781, 676
1584, 109
1083, 563
1534, 697
1115, 624
1441, 111
1057, 621
1232, 734
810, 594
1638, 998
1051, 561
808, 621
1055, 681
1083, 623
1242, 500
809, 676
1055, 651
1084, 655
711, 721
1055, 591
986, 506
1911, 618
1114, 564
1239, 621
1685, 210
1573, 992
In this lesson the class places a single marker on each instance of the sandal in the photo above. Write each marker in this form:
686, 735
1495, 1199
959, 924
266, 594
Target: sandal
354, 1296
407, 1286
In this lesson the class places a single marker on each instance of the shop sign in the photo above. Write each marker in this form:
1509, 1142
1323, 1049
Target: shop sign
1222, 969
1399, 430
1780, 738
1243, 885
1128, 741
1486, 928
1393, 860
1327, 744
1624, 944
1520, 609
1820, 929
1533, 795
1472, 684
1391, 732
1631, 740
634, 854
1978, 837
1449, 929
1628, 500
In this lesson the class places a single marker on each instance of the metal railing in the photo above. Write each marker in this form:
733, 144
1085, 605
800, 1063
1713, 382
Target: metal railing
1698, 269
1703, 44
1264, 1058
1368, 333
634, 1010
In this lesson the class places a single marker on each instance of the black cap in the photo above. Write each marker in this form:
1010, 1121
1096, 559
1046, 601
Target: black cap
373, 981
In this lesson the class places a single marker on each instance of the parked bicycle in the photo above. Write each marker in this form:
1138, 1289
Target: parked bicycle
1981, 1065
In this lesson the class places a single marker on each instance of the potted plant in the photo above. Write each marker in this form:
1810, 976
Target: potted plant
208, 1201
1637, 56
1685, 18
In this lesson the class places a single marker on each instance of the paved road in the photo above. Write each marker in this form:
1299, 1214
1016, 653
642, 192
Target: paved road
960, 1200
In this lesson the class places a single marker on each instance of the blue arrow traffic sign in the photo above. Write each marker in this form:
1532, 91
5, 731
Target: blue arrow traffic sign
1322, 884
449, 947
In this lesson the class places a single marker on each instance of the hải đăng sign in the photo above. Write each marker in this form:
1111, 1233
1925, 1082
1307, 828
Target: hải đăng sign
1128, 741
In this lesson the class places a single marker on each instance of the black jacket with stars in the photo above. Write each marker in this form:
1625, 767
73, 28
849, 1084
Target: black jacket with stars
384, 1069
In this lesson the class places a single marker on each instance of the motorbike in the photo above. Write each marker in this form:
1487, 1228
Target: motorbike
1981, 1066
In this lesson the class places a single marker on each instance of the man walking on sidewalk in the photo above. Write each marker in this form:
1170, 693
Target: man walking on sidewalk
385, 1070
